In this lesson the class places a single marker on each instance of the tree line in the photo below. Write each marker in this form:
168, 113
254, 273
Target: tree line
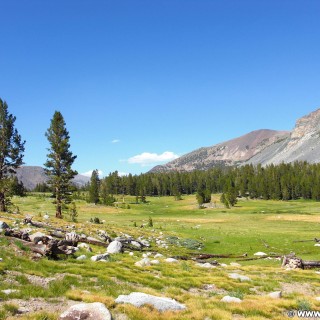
285, 181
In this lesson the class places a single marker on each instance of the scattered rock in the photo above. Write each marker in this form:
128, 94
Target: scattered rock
37, 235
275, 295
318, 298
229, 299
171, 260
9, 291
131, 253
145, 262
87, 311
260, 254
205, 265
82, 257
3, 225
239, 277
158, 255
162, 304
85, 246
136, 244
235, 264
223, 265
100, 257
155, 262
145, 243
317, 245
114, 247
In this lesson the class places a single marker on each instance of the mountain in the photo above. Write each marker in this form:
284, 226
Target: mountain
257, 147
30, 176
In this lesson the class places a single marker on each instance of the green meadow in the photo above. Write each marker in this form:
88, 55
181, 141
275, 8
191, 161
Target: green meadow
274, 227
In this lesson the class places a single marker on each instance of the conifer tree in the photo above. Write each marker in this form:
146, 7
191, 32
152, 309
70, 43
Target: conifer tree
94, 187
59, 162
11, 152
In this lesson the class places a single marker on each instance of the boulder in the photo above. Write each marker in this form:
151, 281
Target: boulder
36, 235
171, 260
84, 246
275, 295
317, 245
87, 311
3, 225
139, 299
260, 254
136, 244
229, 299
155, 262
158, 255
239, 277
235, 264
205, 265
99, 257
114, 247
145, 262
82, 257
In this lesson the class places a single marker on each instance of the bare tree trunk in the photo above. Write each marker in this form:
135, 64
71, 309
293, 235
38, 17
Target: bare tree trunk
2, 202
58, 205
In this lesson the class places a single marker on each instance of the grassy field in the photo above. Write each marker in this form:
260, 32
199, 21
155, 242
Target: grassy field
251, 226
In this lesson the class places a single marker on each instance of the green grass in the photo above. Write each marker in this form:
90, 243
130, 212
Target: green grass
246, 228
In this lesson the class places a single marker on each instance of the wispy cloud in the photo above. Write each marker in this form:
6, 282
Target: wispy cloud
89, 173
115, 141
147, 158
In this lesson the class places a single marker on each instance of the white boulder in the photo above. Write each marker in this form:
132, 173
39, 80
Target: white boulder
88, 311
114, 247
139, 299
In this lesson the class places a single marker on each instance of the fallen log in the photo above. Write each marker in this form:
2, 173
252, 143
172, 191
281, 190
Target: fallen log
50, 248
311, 240
209, 255
94, 242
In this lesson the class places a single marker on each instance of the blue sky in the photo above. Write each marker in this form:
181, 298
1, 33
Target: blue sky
139, 82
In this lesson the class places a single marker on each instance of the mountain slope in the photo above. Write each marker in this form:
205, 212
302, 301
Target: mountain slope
303, 144
228, 153
257, 147
30, 176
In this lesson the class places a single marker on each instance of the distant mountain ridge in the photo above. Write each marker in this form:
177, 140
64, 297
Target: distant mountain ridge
257, 147
30, 176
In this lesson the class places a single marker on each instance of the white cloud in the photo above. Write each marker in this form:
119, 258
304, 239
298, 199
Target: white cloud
89, 173
121, 174
147, 158
115, 141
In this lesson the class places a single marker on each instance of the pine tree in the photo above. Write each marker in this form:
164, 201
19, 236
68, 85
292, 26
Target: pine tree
59, 162
94, 187
11, 152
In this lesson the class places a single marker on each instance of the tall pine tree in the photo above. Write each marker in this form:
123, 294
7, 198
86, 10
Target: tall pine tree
59, 162
11, 152
94, 187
